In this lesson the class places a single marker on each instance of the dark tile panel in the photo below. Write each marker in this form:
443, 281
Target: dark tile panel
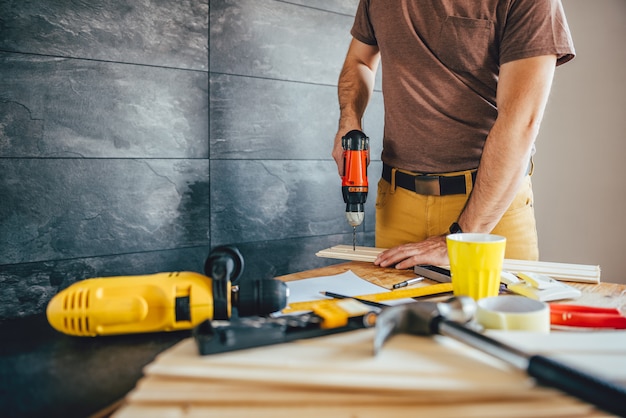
338, 6
277, 40
253, 118
26, 289
172, 33
67, 107
271, 200
57, 209
267, 259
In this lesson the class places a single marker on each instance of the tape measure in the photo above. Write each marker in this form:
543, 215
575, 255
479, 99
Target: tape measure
434, 289
336, 312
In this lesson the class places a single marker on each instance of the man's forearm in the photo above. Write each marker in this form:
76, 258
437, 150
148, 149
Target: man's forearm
354, 91
356, 84
523, 92
502, 169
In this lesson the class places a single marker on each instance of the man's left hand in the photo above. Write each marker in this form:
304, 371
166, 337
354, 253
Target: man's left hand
432, 250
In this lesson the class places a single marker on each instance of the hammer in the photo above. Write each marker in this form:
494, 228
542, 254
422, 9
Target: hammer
450, 318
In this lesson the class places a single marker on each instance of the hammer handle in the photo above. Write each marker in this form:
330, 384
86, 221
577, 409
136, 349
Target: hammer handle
601, 393
549, 372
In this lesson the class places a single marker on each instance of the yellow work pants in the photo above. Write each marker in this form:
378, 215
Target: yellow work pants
403, 216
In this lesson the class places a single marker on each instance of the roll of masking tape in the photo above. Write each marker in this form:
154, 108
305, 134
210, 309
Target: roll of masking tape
513, 313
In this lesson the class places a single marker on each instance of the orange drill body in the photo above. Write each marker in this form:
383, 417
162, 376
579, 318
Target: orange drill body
354, 185
354, 180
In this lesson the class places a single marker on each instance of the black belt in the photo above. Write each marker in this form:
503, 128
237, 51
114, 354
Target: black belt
429, 184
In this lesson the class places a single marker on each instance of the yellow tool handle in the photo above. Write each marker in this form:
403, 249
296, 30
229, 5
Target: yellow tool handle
434, 289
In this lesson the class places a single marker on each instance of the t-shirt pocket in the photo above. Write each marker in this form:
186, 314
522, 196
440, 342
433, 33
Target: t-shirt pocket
464, 43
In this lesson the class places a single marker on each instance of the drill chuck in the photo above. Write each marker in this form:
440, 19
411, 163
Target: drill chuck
260, 297
355, 217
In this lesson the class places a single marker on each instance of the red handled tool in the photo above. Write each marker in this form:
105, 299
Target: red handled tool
586, 316
354, 185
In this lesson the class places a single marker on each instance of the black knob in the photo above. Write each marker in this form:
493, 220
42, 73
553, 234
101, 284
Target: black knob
224, 263
224, 266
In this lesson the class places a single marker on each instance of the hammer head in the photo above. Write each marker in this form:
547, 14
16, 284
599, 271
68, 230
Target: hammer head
421, 318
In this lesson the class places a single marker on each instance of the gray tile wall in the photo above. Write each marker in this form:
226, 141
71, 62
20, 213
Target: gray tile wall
135, 136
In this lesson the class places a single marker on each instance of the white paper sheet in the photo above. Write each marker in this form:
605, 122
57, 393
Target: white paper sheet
347, 283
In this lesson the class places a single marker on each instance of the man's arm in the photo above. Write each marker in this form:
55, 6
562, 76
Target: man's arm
523, 90
356, 83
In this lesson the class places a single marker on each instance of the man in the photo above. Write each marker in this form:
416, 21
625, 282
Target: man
465, 85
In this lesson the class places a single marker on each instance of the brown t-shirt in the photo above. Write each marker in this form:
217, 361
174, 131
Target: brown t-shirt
440, 65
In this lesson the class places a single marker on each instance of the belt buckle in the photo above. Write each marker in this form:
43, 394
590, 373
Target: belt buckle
427, 185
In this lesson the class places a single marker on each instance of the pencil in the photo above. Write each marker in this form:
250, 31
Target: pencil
363, 301
407, 282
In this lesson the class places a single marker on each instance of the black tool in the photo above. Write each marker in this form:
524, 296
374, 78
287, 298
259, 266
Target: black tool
363, 301
438, 274
428, 318
214, 337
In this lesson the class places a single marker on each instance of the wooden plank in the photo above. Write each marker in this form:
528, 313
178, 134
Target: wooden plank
560, 271
171, 390
522, 409
347, 252
408, 364
337, 376
580, 273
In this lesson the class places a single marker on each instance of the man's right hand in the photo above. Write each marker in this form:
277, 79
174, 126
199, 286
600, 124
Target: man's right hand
338, 152
338, 149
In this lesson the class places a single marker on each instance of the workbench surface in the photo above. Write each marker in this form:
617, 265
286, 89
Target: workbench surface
601, 294
45, 373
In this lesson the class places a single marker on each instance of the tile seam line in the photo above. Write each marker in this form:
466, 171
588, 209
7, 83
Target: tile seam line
66, 57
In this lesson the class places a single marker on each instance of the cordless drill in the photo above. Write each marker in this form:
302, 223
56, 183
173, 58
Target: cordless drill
354, 181
164, 301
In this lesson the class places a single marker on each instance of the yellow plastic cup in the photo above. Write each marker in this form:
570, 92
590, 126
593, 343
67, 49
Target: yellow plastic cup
475, 263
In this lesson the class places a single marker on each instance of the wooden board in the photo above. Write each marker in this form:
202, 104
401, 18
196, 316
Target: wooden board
346, 361
338, 376
580, 273
548, 408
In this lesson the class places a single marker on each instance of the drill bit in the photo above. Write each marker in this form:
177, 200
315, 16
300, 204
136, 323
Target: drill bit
354, 219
